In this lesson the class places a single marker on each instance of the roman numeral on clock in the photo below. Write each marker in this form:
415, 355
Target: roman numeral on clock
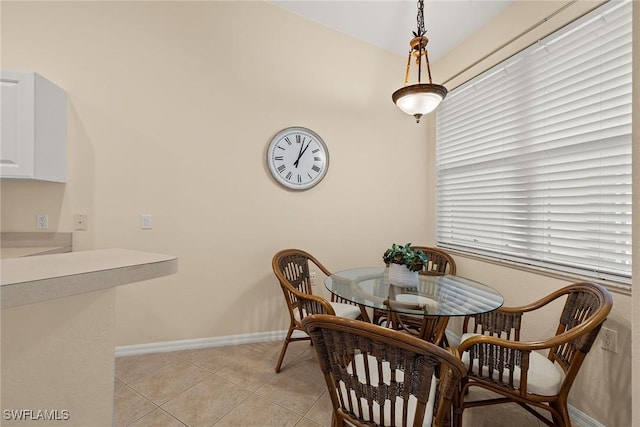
281, 168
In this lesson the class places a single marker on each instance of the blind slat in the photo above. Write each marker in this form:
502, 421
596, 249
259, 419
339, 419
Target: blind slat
534, 155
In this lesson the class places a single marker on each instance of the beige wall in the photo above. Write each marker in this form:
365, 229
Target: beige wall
171, 107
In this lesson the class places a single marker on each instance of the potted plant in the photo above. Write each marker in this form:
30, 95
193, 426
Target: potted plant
404, 264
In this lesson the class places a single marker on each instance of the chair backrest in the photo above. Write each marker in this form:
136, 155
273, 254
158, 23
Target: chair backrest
503, 323
291, 267
375, 375
585, 310
438, 261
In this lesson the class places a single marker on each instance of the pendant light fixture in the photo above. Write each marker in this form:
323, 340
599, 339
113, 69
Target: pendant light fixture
420, 98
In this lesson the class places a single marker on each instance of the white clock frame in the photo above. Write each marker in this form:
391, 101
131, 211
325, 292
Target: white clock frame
297, 158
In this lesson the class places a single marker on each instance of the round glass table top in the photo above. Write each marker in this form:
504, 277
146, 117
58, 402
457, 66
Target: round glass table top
432, 295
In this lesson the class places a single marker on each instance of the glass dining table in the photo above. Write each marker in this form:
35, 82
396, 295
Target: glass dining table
435, 298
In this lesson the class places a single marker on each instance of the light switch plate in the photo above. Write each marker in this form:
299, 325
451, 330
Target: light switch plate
145, 222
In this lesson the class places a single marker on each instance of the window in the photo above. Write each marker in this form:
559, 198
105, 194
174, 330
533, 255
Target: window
534, 155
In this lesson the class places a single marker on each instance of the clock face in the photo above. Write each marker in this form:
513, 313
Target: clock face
298, 158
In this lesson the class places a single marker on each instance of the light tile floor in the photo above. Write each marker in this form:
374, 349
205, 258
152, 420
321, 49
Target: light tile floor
236, 386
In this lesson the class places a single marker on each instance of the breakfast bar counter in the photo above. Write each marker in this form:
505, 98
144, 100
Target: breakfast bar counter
57, 339
34, 279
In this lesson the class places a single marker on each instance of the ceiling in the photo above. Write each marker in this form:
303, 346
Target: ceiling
388, 24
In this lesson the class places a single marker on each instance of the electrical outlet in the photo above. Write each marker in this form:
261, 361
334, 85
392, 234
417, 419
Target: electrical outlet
609, 339
42, 222
312, 277
80, 222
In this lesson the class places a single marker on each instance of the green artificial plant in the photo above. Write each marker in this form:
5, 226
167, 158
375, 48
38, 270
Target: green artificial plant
414, 259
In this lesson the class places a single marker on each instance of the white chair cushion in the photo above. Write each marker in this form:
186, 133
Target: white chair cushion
424, 302
543, 378
341, 309
386, 377
346, 310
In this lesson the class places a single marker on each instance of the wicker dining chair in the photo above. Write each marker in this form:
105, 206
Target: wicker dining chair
377, 376
433, 329
518, 371
291, 267
438, 261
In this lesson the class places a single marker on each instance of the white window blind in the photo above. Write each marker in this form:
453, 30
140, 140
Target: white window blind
534, 155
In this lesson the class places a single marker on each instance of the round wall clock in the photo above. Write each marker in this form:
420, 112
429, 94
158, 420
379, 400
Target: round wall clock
298, 158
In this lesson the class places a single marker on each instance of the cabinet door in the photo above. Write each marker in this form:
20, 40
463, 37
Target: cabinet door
17, 139
33, 127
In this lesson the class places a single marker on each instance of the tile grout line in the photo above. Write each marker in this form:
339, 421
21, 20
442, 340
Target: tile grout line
143, 397
199, 363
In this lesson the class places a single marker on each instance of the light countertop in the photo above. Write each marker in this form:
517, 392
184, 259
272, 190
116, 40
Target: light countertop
32, 279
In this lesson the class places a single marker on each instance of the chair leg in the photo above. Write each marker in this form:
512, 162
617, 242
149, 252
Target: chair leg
457, 417
287, 340
445, 340
334, 420
364, 315
448, 417
563, 410
458, 403
457, 411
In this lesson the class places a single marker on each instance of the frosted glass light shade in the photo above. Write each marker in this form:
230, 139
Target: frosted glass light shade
419, 99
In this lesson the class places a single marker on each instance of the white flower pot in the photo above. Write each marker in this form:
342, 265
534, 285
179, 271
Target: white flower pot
400, 275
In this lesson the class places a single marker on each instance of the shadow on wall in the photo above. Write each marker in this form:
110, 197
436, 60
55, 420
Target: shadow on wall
605, 370
263, 304
23, 200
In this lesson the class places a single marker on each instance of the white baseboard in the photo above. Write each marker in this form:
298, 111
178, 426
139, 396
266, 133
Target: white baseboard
579, 418
192, 344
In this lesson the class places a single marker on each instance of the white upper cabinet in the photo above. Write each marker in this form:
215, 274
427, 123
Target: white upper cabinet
33, 128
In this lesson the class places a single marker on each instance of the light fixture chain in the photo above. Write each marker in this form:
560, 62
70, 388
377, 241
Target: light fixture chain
421, 30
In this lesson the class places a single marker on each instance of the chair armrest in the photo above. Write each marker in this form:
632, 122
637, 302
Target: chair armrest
312, 304
506, 321
500, 342
554, 341
536, 304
